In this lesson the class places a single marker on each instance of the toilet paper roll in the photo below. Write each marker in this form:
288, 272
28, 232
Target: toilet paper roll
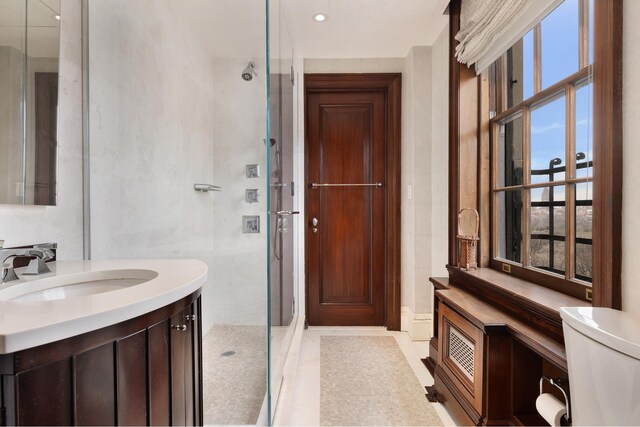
550, 408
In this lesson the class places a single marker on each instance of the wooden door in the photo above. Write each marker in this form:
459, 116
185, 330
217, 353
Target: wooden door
346, 134
46, 138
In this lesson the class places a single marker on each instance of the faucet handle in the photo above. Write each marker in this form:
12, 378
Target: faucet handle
8, 273
36, 267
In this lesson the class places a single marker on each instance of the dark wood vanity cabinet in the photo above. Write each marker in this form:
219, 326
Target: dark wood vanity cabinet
144, 371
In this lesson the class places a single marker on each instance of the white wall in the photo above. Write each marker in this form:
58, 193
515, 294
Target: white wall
416, 179
631, 159
439, 197
152, 109
240, 292
22, 225
356, 65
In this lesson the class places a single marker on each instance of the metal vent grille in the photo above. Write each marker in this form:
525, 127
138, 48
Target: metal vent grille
461, 352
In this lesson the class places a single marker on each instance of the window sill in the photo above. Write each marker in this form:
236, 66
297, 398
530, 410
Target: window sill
525, 300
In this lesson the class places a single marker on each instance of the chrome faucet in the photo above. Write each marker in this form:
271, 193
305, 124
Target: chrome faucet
35, 267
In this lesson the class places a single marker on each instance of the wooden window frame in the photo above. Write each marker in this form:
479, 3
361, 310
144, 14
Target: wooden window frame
565, 88
607, 155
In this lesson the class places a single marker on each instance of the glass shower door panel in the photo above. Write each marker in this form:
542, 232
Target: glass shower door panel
283, 217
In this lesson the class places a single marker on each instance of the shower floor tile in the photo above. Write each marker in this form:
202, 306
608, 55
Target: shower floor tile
234, 383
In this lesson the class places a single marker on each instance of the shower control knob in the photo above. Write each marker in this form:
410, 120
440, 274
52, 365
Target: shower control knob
179, 327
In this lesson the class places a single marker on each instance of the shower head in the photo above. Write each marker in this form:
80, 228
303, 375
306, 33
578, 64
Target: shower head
272, 141
249, 72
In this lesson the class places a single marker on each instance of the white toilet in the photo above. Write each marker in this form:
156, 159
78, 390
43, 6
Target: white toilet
603, 354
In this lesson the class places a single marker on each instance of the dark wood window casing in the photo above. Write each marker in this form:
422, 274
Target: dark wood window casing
470, 153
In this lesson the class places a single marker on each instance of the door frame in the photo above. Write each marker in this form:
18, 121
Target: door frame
390, 84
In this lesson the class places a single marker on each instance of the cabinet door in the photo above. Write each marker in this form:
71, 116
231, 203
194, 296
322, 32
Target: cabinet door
186, 375
461, 354
159, 374
179, 342
43, 395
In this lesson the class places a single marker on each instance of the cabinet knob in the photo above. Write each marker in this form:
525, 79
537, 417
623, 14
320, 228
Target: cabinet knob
179, 327
190, 317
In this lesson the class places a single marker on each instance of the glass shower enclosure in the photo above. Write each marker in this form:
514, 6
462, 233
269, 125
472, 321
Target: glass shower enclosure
190, 155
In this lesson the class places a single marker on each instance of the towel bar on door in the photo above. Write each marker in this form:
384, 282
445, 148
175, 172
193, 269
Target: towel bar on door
316, 185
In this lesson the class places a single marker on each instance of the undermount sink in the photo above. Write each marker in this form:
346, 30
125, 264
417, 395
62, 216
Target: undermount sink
75, 285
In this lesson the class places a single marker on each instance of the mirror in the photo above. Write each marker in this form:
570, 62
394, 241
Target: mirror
29, 53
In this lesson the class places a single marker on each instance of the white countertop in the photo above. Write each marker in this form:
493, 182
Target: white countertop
26, 324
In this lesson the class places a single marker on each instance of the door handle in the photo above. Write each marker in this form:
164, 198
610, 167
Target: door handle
314, 221
287, 213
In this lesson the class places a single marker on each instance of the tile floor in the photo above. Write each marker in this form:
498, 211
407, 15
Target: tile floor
303, 386
234, 384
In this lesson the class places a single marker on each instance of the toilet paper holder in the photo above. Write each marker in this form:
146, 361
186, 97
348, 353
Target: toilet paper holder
561, 384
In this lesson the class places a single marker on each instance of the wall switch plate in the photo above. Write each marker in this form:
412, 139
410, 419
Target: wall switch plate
251, 224
253, 171
251, 195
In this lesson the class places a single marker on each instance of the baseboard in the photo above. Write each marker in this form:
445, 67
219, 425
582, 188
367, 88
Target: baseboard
418, 326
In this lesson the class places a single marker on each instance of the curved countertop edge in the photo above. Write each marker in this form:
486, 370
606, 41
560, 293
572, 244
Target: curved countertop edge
30, 324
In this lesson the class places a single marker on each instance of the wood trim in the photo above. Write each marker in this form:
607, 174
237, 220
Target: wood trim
526, 194
543, 184
607, 156
493, 201
583, 33
484, 171
537, 59
542, 278
391, 85
458, 407
454, 131
570, 172
556, 89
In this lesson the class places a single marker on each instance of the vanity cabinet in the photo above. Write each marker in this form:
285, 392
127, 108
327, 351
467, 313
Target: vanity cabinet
143, 371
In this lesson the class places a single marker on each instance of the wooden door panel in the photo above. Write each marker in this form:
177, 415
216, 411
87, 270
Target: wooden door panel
345, 257
131, 358
159, 374
95, 394
44, 395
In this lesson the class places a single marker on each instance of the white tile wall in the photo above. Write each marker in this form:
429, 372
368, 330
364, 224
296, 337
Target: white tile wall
152, 108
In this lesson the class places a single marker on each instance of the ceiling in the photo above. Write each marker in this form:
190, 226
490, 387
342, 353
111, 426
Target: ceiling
43, 29
364, 28
355, 28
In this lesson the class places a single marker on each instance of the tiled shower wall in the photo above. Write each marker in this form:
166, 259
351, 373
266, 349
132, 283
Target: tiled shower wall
240, 292
151, 109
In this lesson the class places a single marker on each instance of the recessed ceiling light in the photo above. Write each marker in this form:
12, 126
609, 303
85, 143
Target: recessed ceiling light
319, 17
58, 17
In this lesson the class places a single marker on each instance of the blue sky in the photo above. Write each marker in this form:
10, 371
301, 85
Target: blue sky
559, 60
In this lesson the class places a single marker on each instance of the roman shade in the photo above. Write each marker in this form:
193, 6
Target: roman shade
488, 28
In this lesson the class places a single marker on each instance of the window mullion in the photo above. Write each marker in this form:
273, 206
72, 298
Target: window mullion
570, 189
537, 59
494, 195
583, 34
526, 180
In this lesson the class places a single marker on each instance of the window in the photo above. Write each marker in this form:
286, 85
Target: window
542, 149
